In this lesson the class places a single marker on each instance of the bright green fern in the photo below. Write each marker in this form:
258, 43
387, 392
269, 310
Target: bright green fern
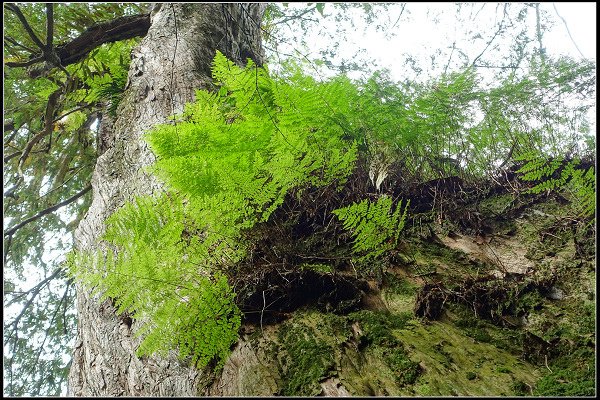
547, 173
156, 270
375, 225
234, 156
227, 163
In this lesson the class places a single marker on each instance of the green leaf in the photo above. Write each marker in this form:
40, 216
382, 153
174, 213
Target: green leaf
320, 7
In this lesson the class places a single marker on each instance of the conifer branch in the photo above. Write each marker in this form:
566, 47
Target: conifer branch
46, 211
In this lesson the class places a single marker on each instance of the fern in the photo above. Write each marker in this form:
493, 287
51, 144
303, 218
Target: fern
541, 168
232, 157
161, 278
583, 188
254, 141
375, 226
580, 184
228, 164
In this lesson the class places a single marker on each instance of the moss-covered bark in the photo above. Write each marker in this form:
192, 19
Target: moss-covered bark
530, 332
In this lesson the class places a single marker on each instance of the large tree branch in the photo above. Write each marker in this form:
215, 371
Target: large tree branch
121, 28
106, 32
48, 210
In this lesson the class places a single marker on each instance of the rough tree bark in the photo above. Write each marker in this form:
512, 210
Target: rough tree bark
171, 62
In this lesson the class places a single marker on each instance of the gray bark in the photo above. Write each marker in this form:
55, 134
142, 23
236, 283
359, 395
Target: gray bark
171, 62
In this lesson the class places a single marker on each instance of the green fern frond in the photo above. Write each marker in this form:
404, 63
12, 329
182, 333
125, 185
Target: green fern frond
375, 227
581, 184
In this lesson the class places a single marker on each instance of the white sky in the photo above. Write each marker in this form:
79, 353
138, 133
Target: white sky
581, 20
416, 34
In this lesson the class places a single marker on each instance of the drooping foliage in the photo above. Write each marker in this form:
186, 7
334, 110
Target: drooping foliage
159, 276
234, 168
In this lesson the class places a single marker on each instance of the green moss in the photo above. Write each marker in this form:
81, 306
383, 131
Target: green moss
567, 382
377, 332
520, 388
394, 354
484, 331
377, 326
396, 285
321, 268
307, 361
406, 370
529, 301
471, 375
571, 374
447, 356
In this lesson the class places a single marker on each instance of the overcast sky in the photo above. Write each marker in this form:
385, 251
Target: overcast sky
417, 34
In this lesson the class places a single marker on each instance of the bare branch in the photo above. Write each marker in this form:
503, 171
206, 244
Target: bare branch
399, 16
83, 107
11, 156
500, 28
48, 210
539, 32
36, 364
34, 292
568, 31
15, 9
25, 63
298, 15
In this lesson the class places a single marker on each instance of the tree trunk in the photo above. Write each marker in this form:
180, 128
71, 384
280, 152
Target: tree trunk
170, 63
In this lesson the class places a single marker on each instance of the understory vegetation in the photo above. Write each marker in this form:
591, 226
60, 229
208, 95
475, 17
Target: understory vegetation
378, 206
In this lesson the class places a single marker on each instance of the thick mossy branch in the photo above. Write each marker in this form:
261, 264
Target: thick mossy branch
280, 189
